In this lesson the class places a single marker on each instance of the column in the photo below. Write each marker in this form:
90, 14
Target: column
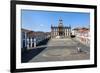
25, 39
31, 42
27, 42
34, 42
56, 31
52, 32
65, 32
68, 32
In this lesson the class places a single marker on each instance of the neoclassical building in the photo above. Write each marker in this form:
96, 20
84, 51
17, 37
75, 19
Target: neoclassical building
60, 30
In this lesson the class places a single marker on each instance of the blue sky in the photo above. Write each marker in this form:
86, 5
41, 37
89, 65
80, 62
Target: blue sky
42, 20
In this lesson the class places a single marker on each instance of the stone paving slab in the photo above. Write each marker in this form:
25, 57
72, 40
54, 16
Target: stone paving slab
62, 50
60, 54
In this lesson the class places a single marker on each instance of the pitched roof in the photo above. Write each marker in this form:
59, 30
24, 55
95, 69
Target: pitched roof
24, 30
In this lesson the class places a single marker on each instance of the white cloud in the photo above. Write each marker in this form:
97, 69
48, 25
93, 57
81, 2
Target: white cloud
41, 25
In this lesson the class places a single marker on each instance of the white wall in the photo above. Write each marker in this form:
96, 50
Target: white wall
5, 38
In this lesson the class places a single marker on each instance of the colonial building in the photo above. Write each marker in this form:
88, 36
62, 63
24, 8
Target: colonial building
31, 38
82, 35
24, 38
60, 30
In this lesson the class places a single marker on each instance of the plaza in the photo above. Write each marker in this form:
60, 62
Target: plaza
61, 50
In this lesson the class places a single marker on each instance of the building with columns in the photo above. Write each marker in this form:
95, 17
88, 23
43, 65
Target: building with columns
60, 30
31, 38
24, 39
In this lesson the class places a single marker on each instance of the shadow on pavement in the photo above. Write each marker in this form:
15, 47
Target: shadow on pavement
29, 54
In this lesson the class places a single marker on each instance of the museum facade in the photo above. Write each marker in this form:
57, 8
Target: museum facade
60, 30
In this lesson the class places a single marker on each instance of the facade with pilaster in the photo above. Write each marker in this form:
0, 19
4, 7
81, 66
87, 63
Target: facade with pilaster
30, 38
60, 30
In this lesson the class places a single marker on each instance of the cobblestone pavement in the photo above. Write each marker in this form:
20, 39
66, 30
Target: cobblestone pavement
62, 50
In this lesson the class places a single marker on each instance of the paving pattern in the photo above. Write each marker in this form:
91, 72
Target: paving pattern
62, 50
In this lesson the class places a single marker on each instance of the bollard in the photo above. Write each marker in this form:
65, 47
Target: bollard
78, 49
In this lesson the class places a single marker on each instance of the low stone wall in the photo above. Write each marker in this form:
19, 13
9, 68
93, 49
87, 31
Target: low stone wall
83, 41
